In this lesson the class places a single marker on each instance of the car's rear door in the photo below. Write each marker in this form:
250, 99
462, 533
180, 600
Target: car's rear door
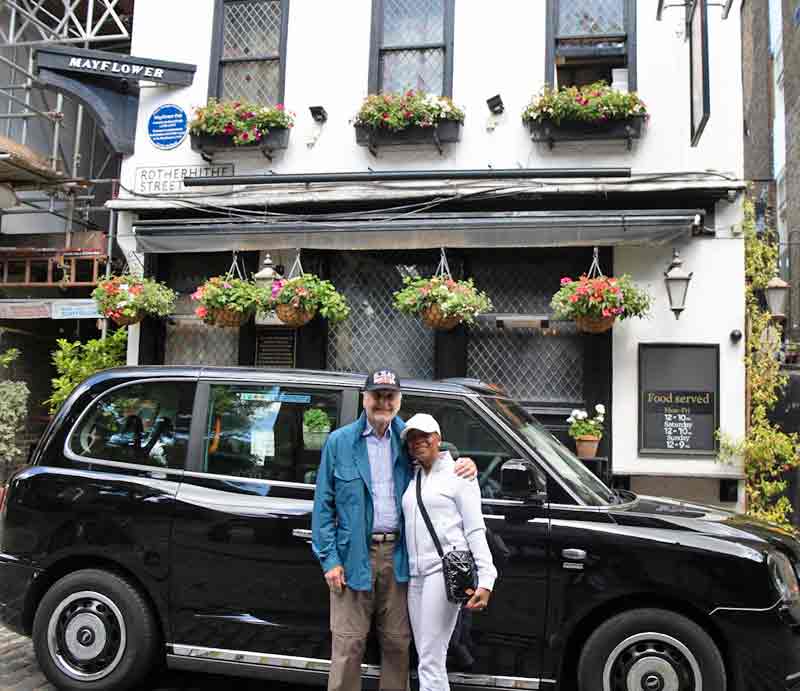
244, 577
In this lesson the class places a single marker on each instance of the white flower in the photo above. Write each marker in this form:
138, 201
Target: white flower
582, 414
600, 418
600, 408
570, 420
123, 286
574, 412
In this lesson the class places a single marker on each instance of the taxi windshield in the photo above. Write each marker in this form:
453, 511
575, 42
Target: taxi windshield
580, 480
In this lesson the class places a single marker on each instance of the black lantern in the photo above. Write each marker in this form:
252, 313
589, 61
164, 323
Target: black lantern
319, 113
677, 280
495, 104
777, 294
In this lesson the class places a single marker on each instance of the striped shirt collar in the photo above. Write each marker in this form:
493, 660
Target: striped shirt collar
369, 431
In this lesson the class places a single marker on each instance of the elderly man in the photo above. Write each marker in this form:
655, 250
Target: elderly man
358, 536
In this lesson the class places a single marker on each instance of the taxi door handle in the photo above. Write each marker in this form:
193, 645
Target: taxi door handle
574, 554
301, 533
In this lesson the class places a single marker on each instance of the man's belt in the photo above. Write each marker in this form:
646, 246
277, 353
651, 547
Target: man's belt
384, 537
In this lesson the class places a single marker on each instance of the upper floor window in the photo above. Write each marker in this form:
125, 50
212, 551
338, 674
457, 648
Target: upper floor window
412, 46
250, 50
587, 39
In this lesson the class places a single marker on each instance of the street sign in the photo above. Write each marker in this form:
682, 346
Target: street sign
169, 179
168, 126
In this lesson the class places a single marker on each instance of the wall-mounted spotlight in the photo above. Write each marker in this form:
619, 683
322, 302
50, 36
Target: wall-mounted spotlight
318, 113
495, 104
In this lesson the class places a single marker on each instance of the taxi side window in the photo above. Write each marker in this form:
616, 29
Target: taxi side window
268, 432
146, 423
465, 434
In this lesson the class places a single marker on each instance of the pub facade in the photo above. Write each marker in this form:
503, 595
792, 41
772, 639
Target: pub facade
364, 212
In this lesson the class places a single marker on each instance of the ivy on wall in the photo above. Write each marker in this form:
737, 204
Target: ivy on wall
768, 451
13, 411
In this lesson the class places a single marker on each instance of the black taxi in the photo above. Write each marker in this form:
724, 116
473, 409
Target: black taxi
165, 515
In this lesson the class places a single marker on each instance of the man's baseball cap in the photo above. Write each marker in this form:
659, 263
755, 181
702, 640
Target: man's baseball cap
423, 423
383, 378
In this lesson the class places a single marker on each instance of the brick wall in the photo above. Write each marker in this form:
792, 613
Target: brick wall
757, 86
791, 58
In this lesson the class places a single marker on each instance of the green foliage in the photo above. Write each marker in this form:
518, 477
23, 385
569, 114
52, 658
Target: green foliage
76, 361
311, 294
580, 424
316, 420
768, 451
594, 103
228, 293
127, 296
246, 122
397, 111
454, 298
600, 297
13, 410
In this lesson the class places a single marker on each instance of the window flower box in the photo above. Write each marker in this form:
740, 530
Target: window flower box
209, 144
549, 132
444, 132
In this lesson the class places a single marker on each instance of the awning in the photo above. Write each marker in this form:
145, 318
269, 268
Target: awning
574, 228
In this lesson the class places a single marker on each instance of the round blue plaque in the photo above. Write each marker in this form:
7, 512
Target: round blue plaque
168, 126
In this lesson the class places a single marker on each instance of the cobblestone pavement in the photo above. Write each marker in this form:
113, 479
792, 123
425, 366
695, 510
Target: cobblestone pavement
19, 672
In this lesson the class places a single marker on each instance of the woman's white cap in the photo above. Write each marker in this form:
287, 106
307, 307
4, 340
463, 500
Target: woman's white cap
422, 422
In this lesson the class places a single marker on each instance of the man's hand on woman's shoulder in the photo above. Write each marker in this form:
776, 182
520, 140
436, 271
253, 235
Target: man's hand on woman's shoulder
465, 468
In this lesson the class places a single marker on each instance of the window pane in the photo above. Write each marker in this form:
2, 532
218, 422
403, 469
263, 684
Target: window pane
588, 17
268, 432
252, 81
412, 22
413, 69
470, 435
143, 423
252, 28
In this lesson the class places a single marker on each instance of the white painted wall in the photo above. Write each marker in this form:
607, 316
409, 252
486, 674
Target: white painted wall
498, 51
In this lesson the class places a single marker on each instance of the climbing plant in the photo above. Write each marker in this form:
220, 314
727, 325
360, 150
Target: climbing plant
768, 451
13, 410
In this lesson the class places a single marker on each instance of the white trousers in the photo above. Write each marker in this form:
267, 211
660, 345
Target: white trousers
433, 618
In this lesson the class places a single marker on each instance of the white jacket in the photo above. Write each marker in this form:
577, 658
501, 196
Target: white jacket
454, 507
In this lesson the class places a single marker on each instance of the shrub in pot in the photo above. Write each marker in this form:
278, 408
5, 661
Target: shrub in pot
587, 432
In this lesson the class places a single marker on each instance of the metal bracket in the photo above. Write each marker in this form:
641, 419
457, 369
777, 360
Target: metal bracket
726, 7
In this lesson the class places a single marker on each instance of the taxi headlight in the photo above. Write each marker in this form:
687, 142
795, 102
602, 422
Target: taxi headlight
784, 577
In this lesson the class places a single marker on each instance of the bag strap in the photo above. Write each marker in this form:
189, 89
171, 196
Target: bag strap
425, 516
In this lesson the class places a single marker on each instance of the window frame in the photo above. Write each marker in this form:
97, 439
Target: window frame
217, 39
551, 22
74, 456
376, 47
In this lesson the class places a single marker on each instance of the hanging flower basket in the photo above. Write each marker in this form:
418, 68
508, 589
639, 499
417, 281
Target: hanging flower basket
293, 316
229, 302
595, 301
128, 299
297, 300
434, 318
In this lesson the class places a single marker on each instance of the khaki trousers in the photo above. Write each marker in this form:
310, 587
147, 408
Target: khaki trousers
351, 615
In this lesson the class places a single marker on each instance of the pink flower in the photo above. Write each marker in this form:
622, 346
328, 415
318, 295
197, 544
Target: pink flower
565, 280
279, 106
229, 129
245, 136
227, 285
197, 294
574, 298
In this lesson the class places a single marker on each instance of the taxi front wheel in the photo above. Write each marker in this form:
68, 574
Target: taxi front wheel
650, 650
94, 631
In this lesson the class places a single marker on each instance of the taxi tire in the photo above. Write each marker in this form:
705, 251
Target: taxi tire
603, 643
142, 634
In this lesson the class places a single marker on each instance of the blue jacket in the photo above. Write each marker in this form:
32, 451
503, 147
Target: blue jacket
343, 513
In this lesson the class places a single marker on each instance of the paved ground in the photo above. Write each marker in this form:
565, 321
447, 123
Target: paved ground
19, 672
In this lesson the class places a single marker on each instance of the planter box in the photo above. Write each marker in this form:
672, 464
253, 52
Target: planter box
210, 144
547, 131
446, 132
314, 440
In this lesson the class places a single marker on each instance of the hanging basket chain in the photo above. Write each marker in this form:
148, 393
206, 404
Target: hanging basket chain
297, 267
236, 270
594, 270
444, 268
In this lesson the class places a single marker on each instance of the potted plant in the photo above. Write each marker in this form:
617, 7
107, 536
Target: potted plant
296, 300
413, 117
226, 301
587, 432
596, 302
316, 427
441, 301
595, 111
127, 299
238, 125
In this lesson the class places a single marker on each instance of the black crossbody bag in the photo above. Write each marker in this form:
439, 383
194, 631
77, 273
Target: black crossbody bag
458, 566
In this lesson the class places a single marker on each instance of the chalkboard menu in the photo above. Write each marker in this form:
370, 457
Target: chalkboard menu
678, 399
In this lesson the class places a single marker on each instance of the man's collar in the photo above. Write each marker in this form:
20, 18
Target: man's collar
368, 430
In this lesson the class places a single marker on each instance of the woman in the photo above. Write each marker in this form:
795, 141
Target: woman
454, 507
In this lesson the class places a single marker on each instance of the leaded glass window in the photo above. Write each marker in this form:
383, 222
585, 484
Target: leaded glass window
252, 46
412, 46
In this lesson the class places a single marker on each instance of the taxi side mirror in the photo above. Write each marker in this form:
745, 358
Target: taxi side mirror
518, 481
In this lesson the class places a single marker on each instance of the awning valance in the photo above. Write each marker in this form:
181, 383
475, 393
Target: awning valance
573, 228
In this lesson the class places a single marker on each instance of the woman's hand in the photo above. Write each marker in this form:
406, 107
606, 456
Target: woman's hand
479, 601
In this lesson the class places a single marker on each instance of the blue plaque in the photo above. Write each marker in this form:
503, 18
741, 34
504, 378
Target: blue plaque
168, 126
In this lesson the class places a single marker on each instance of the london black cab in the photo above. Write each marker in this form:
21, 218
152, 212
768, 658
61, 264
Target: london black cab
166, 514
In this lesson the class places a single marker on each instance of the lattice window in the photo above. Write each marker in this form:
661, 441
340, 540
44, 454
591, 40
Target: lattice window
375, 334
191, 342
253, 42
411, 50
591, 38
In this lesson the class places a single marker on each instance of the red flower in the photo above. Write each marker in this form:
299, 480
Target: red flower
407, 114
245, 136
279, 106
574, 298
136, 290
201, 312
385, 116
229, 128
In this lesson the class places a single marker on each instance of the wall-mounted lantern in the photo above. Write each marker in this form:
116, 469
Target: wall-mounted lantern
777, 294
677, 280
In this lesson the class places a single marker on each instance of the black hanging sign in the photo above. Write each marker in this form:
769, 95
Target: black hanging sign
697, 31
678, 399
